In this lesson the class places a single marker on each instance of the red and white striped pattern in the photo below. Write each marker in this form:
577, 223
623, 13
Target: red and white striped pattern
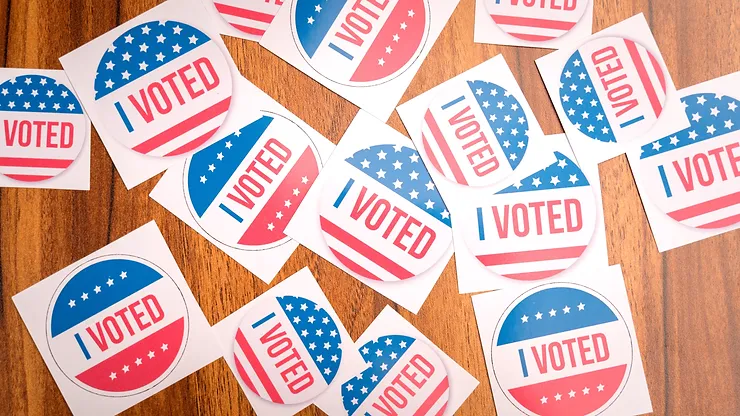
251, 17
535, 23
650, 74
438, 151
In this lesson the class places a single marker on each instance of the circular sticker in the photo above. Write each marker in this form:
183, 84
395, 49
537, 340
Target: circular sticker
44, 128
561, 349
694, 175
381, 214
537, 227
405, 377
244, 189
360, 43
287, 350
612, 89
475, 133
117, 325
251, 17
536, 20
163, 88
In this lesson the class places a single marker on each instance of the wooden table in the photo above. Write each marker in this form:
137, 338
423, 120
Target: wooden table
684, 302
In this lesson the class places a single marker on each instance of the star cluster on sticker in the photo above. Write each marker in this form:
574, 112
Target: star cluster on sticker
37, 94
564, 173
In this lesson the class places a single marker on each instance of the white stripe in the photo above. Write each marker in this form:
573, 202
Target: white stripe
243, 21
250, 372
529, 30
652, 74
440, 403
189, 136
533, 266
358, 258
17, 170
434, 148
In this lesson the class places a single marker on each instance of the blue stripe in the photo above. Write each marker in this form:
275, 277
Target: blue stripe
263, 320
339, 200
481, 232
82, 346
341, 51
631, 122
129, 127
453, 102
523, 362
230, 212
666, 185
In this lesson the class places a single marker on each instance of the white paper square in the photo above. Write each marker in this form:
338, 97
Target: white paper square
632, 398
301, 284
146, 244
380, 97
249, 103
245, 19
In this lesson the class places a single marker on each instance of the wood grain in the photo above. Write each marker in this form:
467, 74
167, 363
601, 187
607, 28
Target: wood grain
684, 302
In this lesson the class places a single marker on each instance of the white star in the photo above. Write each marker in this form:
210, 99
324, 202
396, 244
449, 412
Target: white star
397, 148
414, 175
732, 106
414, 158
445, 214
599, 117
572, 394
729, 124
396, 38
71, 107
97, 289
543, 400
565, 98
161, 38
312, 346
538, 315
693, 135
164, 347
279, 215
219, 156
388, 50
193, 40
711, 129
397, 165
138, 361
381, 155
558, 397
486, 104
581, 306
109, 282
318, 8
145, 30
588, 90
270, 226
84, 296
695, 117
579, 101
160, 57
125, 75
411, 13
296, 192
228, 144
553, 312
143, 66
536, 182
176, 48
109, 84
143, 47
554, 180
429, 204
568, 74
296, 320
150, 355
203, 179
573, 178
381, 62
176, 30
404, 26
211, 167
525, 318
380, 173
576, 63
674, 140
125, 369
701, 100
430, 186
126, 56
600, 387
586, 390
397, 184
26, 105
71, 303
288, 203
304, 179
413, 194
365, 164
129, 38
310, 20
112, 376
566, 309
657, 145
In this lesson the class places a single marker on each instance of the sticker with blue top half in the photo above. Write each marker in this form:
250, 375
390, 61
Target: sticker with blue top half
117, 325
163, 88
381, 214
44, 128
562, 349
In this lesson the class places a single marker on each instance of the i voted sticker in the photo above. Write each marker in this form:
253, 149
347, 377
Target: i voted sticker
117, 325
612, 89
536, 20
381, 214
694, 175
475, 133
405, 377
244, 189
362, 42
537, 227
287, 350
562, 349
163, 88
251, 17
44, 128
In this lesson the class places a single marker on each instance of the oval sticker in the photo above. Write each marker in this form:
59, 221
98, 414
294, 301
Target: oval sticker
536, 20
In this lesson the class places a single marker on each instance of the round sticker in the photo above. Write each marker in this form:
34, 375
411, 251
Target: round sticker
244, 189
251, 17
44, 128
360, 43
475, 133
561, 349
287, 350
163, 88
405, 377
537, 227
381, 214
117, 325
694, 175
536, 20
612, 89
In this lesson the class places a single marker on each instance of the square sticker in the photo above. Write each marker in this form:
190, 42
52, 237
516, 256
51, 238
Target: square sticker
366, 51
246, 19
241, 191
119, 325
563, 348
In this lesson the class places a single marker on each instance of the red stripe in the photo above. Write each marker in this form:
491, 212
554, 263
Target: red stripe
29, 162
532, 38
532, 22
430, 153
530, 256
725, 222
433, 398
257, 367
644, 78
183, 127
444, 147
441, 410
533, 275
243, 374
706, 207
193, 144
365, 250
658, 71
28, 178
354, 267
247, 14
247, 29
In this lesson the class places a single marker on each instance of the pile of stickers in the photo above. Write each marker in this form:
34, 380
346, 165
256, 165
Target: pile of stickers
522, 211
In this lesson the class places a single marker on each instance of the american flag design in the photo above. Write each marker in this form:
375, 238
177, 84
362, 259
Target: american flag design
475, 133
251, 17
536, 20
404, 377
44, 128
117, 326
360, 42
561, 349
381, 214
163, 88
693, 175
612, 89
537, 227
244, 188
288, 350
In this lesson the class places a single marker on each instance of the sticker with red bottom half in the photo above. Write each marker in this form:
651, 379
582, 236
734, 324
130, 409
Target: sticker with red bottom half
405, 377
562, 349
117, 326
360, 42
536, 20
251, 17
244, 189
381, 214
287, 350
163, 88
44, 128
